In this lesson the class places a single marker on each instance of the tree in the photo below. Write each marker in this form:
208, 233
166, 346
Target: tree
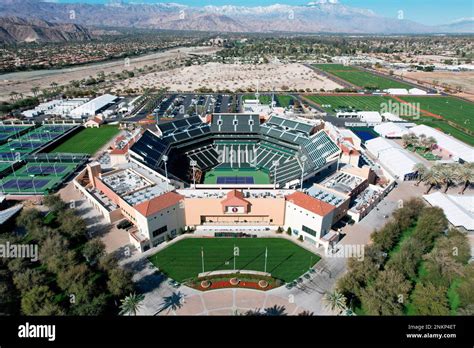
71, 224
335, 301
93, 250
54, 202
34, 300
8, 295
35, 91
29, 278
431, 224
407, 258
387, 294
464, 175
30, 219
94, 306
54, 253
432, 179
429, 299
131, 304
441, 267
120, 282
421, 171
445, 174
73, 276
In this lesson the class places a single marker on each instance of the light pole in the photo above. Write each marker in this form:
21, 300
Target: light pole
303, 161
165, 160
33, 182
275, 165
193, 164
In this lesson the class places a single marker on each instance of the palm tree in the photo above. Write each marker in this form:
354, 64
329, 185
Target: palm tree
445, 174
335, 301
173, 302
421, 170
464, 175
35, 90
430, 142
409, 139
431, 178
131, 304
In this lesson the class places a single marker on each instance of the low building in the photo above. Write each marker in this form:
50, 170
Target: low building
396, 91
391, 130
94, 106
396, 160
94, 122
459, 209
446, 144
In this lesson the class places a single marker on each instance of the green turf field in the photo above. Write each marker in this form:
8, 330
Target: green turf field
361, 78
182, 260
359, 102
282, 99
452, 109
88, 140
259, 177
446, 128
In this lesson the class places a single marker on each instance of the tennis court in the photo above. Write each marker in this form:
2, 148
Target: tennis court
45, 169
242, 176
24, 184
235, 180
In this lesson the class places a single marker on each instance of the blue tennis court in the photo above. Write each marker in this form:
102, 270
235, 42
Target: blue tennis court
235, 180
25, 183
45, 169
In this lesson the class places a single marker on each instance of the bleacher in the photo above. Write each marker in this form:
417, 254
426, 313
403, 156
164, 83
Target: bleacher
206, 157
236, 153
235, 123
287, 124
318, 149
149, 149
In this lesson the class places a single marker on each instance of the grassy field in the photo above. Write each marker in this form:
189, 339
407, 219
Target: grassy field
88, 140
282, 100
446, 128
361, 78
359, 102
452, 109
285, 261
259, 177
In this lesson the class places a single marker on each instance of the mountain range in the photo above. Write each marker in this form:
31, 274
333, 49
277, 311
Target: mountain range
316, 17
15, 29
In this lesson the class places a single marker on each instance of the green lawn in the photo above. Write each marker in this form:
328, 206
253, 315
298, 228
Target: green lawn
259, 177
182, 260
88, 140
452, 109
360, 77
358, 102
282, 99
446, 128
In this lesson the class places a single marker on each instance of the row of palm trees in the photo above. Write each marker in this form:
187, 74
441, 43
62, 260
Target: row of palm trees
446, 175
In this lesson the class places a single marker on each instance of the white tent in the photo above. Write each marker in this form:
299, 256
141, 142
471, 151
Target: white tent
459, 210
391, 130
393, 157
457, 148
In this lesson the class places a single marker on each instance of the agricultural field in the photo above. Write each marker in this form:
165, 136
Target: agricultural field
361, 78
88, 140
183, 260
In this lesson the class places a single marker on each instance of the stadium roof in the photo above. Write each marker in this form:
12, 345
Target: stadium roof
171, 127
235, 123
456, 147
309, 203
392, 156
159, 203
459, 210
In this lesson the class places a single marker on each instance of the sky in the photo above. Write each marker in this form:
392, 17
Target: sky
422, 11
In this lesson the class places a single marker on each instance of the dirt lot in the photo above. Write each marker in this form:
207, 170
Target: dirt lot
22, 82
220, 76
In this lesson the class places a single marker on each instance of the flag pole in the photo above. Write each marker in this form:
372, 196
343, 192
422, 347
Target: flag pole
202, 258
266, 254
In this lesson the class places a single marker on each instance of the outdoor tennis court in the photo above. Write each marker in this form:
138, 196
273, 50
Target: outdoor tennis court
243, 176
45, 169
23, 184
235, 180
